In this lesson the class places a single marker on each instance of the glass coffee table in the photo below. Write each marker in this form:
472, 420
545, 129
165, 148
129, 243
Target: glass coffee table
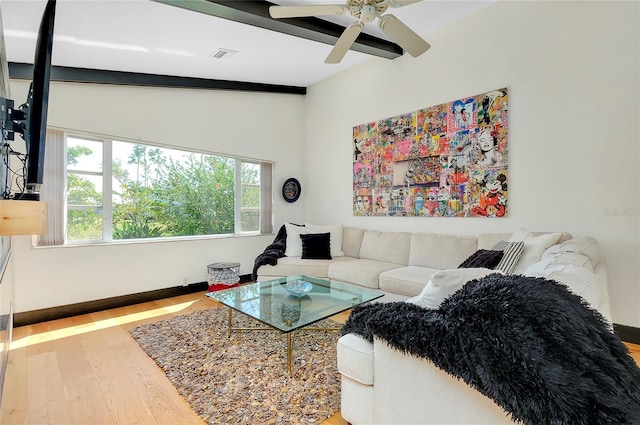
292, 303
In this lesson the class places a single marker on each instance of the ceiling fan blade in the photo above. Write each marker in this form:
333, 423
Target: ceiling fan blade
311, 10
345, 41
403, 35
401, 3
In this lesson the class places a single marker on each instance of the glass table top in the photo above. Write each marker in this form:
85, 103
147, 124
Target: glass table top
273, 304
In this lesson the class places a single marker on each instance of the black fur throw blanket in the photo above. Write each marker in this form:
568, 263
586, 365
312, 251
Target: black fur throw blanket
529, 344
272, 252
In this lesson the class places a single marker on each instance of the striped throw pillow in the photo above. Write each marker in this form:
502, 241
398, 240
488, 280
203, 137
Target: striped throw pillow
512, 253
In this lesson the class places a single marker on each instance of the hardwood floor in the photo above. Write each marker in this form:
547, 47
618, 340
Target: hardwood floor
635, 352
88, 370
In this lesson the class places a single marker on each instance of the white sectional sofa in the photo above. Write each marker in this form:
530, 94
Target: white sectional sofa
400, 264
381, 385
397, 263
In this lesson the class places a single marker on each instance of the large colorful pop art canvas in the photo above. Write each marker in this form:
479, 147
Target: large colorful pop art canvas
447, 160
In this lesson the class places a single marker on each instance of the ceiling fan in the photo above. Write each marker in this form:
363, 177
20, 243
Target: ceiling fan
365, 11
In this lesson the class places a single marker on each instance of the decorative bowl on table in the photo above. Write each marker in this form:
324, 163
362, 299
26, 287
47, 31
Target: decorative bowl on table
298, 288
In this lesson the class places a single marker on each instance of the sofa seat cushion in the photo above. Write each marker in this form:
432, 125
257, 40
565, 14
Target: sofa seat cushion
355, 358
409, 281
289, 266
360, 272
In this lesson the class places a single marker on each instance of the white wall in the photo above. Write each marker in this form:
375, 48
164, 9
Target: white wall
253, 125
573, 77
574, 141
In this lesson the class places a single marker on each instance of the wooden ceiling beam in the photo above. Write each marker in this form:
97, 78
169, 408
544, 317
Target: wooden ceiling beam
256, 13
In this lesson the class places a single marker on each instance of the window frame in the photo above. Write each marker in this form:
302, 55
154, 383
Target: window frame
86, 173
265, 226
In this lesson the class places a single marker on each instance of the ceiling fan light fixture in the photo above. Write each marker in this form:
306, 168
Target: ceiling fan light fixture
225, 54
364, 11
368, 13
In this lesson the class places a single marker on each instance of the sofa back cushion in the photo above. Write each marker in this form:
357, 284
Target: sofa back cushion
351, 241
440, 251
489, 240
391, 247
294, 242
335, 236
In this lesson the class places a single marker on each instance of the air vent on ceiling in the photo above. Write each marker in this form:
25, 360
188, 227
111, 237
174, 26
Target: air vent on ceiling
223, 53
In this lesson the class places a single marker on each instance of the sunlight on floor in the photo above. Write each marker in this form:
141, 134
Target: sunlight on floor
93, 326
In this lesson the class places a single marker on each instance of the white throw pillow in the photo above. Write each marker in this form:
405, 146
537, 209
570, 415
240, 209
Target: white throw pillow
555, 258
579, 280
294, 242
582, 245
534, 247
335, 237
446, 282
520, 235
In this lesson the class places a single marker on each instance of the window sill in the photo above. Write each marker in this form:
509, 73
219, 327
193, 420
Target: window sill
82, 244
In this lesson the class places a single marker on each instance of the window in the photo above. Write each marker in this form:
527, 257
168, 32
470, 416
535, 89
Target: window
84, 189
118, 190
250, 197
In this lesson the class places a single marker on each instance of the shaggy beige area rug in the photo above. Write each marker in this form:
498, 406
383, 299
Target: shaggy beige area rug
243, 379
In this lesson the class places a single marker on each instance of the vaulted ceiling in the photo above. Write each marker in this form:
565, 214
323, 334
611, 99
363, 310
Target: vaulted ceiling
204, 40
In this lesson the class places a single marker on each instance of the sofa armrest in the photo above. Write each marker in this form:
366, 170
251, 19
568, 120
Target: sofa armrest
355, 358
412, 390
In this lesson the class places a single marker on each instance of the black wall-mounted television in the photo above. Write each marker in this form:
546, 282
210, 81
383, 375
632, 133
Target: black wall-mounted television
37, 104
30, 119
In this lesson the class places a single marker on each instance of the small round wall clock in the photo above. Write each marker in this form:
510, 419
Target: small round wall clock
291, 190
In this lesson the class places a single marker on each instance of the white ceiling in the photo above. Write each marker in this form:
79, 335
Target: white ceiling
149, 37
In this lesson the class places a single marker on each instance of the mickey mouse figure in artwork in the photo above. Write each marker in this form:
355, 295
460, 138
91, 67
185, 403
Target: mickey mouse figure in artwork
492, 202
